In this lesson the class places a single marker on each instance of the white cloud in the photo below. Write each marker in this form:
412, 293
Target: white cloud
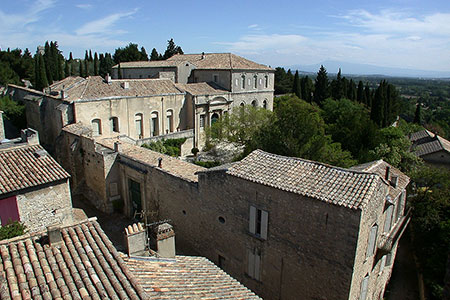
104, 25
84, 6
257, 43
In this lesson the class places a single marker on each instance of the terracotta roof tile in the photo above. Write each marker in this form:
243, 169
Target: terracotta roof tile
201, 88
343, 187
186, 277
84, 266
27, 166
436, 145
148, 64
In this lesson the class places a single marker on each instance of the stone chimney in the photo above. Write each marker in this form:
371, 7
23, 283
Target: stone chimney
160, 162
29, 136
117, 147
2, 128
54, 235
165, 241
125, 85
136, 239
203, 55
108, 78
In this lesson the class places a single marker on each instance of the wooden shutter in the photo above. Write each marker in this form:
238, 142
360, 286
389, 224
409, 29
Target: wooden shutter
388, 220
372, 240
252, 221
257, 257
251, 264
264, 224
364, 285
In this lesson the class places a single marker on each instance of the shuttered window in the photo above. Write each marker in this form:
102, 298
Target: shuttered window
258, 222
254, 263
372, 240
364, 286
388, 219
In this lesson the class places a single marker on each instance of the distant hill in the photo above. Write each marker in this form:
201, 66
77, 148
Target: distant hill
365, 69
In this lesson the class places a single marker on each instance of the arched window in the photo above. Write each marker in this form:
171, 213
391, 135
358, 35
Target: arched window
243, 82
114, 122
265, 104
255, 81
139, 125
96, 127
242, 104
154, 124
266, 81
255, 103
214, 118
169, 115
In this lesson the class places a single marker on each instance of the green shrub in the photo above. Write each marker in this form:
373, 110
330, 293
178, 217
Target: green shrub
207, 164
170, 147
11, 230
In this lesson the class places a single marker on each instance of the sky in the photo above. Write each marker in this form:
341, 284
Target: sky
409, 34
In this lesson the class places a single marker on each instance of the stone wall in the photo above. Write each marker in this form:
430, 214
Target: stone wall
249, 81
438, 159
223, 77
2, 127
43, 206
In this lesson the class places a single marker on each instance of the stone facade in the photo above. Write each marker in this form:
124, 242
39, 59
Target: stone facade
2, 127
315, 249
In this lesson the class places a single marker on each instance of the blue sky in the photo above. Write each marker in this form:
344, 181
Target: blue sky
402, 33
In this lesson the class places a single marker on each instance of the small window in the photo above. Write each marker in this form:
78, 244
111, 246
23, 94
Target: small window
255, 103
258, 222
255, 81
139, 125
221, 261
266, 81
388, 219
114, 124
154, 124
400, 205
214, 118
96, 127
242, 104
216, 78
202, 121
254, 263
236, 82
372, 240
169, 116
222, 220
260, 81
243, 81
265, 104
364, 286
140, 76
382, 264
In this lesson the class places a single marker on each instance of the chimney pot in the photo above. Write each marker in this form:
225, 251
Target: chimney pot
165, 240
160, 162
54, 235
108, 78
117, 147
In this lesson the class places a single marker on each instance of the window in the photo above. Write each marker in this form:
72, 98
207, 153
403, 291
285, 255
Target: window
236, 82
254, 263
372, 241
243, 82
96, 127
114, 124
364, 285
400, 202
169, 115
258, 222
266, 81
221, 261
382, 264
388, 220
242, 104
216, 78
255, 81
139, 129
214, 118
154, 124
255, 103
202, 121
265, 104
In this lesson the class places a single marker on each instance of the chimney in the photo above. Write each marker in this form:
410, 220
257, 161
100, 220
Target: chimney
54, 235
165, 241
394, 180
136, 239
388, 171
117, 147
160, 162
29, 136
203, 55
125, 85
63, 94
108, 78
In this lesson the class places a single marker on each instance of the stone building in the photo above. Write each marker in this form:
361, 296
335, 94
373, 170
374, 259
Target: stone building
34, 188
432, 148
2, 127
282, 226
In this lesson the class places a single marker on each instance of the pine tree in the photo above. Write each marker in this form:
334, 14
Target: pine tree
144, 55
81, 69
70, 57
417, 114
172, 49
154, 55
337, 91
95, 64
321, 86
296, 89
360, 92
67, 69
376, 112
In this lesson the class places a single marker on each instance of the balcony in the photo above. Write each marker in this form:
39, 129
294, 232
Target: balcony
387, 241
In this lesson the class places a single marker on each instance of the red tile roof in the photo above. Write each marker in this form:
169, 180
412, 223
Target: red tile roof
28, 166
84, 266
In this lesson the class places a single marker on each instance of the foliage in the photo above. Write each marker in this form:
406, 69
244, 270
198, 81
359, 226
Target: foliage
297, 88
170, 147
321, 86
155, 55
431, 224
129, 53
207, 164
14, 112
239, 127
172, 49
11, 230
15, 66
195, 150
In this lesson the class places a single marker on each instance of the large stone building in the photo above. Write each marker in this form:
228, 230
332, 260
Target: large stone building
184, 93
282, 226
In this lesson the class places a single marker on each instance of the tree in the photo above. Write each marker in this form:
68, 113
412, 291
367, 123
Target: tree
106, 64
70, 57
417, 115
95, 64
360, 93
337, 90
154, 55
321, 86
351, 90
129, 53
7, 75
144, 55
81, 69
67, 69
172, 49
40, 73
119, 72
13, 112
377, 110
297, 89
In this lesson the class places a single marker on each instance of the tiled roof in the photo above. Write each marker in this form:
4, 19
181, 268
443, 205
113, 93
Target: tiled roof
436, 145
343, 187
148, 64
423, 134
171, 165
95, 87
201, 88
27, 166
186, 277
219, 61
84, 266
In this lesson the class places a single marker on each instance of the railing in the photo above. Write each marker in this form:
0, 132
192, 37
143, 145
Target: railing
387, 241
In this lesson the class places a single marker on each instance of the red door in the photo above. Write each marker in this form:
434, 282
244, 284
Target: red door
8, 210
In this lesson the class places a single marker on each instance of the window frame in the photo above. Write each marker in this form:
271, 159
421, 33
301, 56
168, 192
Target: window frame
258, 222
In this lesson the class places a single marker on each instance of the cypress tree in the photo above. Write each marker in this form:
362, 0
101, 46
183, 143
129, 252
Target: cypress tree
296, 89
360, 92
90, 55
376, 113
144, 55
417, 114
154, 55
67, 69
368, 95
86, 68
70, 57
81, 69
321, 86
351, 91
41, 75
95, 64
337, 91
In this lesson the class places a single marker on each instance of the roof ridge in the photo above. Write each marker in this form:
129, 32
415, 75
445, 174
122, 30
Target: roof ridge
86, 86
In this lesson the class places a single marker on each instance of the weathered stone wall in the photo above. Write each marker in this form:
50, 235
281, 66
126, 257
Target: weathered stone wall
145, 73
310, 245
247, 98
438, 159
43, 206
223, 77
249, 81
2, 127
